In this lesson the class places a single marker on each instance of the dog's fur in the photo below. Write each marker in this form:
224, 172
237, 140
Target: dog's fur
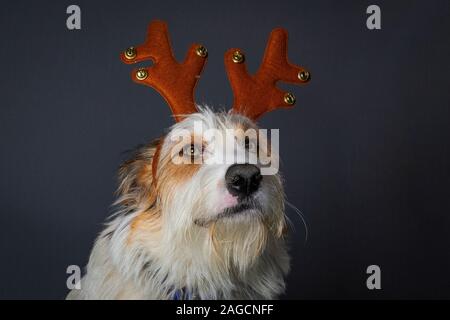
185, 231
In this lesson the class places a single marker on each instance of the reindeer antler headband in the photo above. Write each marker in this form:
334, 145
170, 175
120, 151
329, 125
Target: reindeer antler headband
254, 95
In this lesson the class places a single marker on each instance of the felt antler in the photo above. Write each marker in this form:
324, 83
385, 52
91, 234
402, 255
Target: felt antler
173, 80
257, 94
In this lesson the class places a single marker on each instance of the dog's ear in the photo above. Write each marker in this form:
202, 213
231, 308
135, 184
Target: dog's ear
136, 176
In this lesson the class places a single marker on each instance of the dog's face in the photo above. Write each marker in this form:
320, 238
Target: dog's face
208, 175
210, 190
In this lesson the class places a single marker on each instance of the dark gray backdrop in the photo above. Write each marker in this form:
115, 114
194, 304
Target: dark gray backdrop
365, 151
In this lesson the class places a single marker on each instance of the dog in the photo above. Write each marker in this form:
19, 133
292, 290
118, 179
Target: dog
209, 231
187, 224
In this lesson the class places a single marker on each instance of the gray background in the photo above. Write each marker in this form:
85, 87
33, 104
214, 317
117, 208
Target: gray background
365, 152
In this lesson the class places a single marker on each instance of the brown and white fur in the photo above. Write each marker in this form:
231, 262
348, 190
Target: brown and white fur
179, 233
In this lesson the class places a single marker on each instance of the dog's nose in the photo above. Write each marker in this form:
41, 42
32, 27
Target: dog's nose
243, 179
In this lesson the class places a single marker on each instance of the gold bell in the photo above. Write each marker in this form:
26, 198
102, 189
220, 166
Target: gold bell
130, 53
201, 51
289, 98
141, 74
238, 57
304, 75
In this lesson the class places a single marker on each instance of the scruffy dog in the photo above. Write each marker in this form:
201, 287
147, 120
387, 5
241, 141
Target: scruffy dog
188, 224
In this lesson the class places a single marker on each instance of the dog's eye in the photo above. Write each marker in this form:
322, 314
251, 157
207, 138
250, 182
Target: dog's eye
191, 150
194, 150
251, 145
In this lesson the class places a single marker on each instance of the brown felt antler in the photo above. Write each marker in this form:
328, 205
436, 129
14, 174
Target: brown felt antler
173, 80
257, 94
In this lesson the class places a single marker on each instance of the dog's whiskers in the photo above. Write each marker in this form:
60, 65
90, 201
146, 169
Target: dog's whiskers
300, 214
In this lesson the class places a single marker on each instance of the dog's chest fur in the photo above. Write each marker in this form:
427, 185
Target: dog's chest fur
119, 269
